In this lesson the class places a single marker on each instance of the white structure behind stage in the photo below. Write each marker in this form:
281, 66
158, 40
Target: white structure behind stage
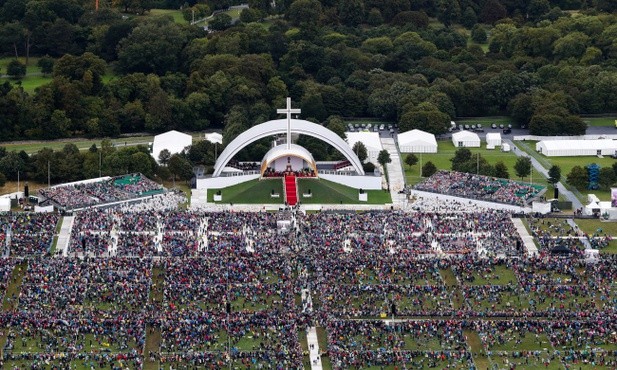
417, 141
466, 139
572, 148
371, 141
173, 141
281, 158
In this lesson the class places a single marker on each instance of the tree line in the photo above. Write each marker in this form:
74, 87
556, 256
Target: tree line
418, 63
70, 164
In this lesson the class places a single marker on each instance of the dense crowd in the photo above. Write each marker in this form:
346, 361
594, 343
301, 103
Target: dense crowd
479, 233
271, 172
225, 287
31, 233
466, 185
100, 192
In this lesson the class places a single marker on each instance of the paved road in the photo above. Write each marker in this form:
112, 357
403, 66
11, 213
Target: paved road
395, 171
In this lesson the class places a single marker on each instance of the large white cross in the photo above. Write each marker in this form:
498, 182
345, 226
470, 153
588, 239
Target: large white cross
288, 111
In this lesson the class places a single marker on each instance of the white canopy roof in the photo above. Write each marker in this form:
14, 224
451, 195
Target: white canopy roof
173, 141
577, 147
493, 138
282, 151
5, 204
467, 138
417, 141
214, 137
370, 140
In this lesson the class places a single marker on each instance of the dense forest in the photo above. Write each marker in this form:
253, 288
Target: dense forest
419, 63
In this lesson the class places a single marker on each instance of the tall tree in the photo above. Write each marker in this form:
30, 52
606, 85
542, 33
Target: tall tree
554, 174
384, 158
428, 169
501, 170
606, 178
180, 167
411, 160
522, 167
360, 149
577, 177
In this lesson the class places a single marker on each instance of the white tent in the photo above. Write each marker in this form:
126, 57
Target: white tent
370, 140
417, 141
572, 148
5, 204
493, 139
214, 138
466, 139
173, 141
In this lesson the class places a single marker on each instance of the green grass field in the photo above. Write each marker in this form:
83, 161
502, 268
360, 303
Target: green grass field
327, 192
251, 192
30, 68
445, 152
33, 78
600, 121
324, 192
175, 14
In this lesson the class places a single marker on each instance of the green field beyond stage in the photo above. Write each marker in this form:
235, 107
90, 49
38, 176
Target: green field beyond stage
323, 192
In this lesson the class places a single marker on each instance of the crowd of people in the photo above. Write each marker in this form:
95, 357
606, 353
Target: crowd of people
487, 233
467, 185
116, 189
225, 287
31, 234
306, 172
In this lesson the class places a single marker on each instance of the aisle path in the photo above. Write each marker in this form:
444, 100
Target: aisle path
313, 344
395, 172
528, 242
64, 237
583, 240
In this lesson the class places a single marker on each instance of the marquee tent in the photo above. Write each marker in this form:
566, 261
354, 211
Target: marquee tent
573, 148
493, 139
5, 204
466, 139
173, 141
417, 141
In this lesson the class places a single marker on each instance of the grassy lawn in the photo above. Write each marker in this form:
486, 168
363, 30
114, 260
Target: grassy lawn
600, 121
553, 226
445, 152
593, 226
30, 68
475, 344
29, 82
175, 14
11, 187
251, 192
327, 192
12, 291
499, 275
